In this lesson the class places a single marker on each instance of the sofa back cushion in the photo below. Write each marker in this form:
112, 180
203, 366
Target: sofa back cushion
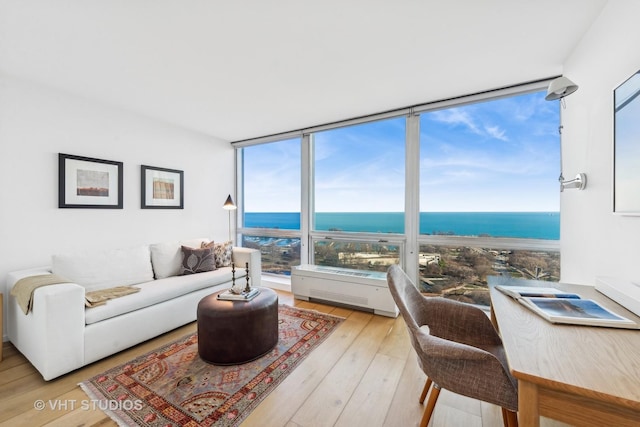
105, 268
223, 252
167, 257
196, 260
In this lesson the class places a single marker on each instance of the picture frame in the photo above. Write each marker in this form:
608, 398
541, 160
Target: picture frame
626, 147
161, 188
85, 182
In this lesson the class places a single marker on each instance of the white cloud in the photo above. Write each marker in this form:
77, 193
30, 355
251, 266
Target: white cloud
456, 116
459, 117
496, 132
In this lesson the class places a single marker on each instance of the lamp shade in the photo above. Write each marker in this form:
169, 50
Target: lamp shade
229, 205
559, 88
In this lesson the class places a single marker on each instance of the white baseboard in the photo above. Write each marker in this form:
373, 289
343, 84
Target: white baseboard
282, 283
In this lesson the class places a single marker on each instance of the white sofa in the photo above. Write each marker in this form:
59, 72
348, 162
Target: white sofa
59, 334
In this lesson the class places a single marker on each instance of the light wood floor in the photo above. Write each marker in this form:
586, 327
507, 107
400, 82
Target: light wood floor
364, 374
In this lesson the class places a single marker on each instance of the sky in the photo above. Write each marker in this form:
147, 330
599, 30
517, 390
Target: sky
494, 156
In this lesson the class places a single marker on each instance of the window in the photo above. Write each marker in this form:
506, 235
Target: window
487, 174
460, 272
355, 254
359, 177
487, 169
271, 176
480, 172
278, 254
271, 203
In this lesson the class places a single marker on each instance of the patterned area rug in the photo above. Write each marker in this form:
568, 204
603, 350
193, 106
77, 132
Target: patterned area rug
172, 386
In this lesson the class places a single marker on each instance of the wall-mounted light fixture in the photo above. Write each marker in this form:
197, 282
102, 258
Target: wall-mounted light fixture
558, 89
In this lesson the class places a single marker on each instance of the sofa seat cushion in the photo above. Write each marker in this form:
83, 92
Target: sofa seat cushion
157, 291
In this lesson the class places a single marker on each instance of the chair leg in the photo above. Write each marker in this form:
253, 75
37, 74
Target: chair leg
431, 404
509, 418
425, 390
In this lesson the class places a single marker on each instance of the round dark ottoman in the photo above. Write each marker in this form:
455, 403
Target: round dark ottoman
235, 332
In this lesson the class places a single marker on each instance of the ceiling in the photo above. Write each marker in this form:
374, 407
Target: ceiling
242, 69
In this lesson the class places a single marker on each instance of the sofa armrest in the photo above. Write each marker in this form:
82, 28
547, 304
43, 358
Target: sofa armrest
51, 336
241, 256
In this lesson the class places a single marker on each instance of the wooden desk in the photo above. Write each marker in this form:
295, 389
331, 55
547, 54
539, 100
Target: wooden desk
580, 375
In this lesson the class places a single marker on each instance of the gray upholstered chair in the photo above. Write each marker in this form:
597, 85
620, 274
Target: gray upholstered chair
457, 347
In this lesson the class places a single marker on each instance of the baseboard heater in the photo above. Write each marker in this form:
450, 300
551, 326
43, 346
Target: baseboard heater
359, 289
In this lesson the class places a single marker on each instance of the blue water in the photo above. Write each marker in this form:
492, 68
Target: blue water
530, 225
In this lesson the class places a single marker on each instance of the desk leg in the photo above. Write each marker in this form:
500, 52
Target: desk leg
493, 319
528, 405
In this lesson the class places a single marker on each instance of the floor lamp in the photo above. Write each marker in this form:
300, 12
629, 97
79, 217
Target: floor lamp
230, 206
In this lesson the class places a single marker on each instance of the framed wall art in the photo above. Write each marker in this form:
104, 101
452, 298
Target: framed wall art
626, 147
84, 182
162, 188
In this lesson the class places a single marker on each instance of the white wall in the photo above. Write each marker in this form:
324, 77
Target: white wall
594, 241
38, 123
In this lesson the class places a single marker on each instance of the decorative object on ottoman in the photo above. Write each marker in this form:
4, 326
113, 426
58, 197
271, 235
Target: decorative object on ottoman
238, 292
228, 295
172, 386
247, 288
235, 288
234, 332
